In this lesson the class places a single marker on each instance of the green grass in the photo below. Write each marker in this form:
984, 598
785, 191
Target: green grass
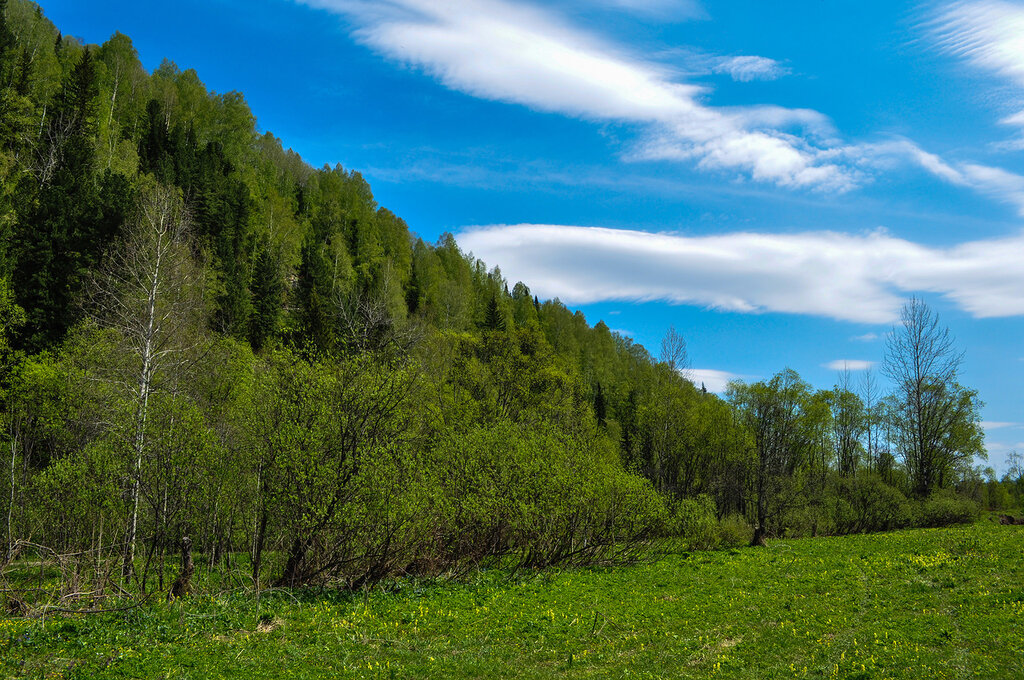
941, 603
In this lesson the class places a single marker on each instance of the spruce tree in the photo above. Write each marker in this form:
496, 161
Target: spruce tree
314, 304
64, 236
493, 319
600, 410
267, 298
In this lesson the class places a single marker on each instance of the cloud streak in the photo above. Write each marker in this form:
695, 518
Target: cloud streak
522, 54
860, 278
987, 34
528, 54
849, 365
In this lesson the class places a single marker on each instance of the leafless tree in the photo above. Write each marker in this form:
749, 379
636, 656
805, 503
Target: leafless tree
366, 325
673, 350
151, 294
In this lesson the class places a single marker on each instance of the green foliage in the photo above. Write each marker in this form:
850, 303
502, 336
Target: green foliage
546, 496
697, 524
735, 531
866, 503
11, 318
945, 508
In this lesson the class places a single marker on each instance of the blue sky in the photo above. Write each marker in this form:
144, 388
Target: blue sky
773, 179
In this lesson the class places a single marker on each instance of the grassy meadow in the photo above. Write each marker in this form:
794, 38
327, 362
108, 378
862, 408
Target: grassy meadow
932, 603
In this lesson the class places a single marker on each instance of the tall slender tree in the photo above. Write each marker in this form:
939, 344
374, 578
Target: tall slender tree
937, 420
151, 294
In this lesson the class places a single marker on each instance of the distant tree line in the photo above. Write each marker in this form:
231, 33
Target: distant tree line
203, 336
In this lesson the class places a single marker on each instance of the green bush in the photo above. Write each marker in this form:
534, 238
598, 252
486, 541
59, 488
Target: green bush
866, 504
695, 522
536, 492
735, 531
945, 508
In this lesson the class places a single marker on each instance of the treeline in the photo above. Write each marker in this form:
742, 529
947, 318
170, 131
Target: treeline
201, 335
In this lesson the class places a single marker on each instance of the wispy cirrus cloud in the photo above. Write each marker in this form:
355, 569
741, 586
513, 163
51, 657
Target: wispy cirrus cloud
987, 34
678, 10
524, 54
862, 277
531, 55
867, 337
849, 365
993, 182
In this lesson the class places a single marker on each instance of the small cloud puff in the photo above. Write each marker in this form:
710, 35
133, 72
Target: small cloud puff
747, 68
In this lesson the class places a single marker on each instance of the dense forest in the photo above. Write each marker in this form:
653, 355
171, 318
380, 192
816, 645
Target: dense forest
203, 336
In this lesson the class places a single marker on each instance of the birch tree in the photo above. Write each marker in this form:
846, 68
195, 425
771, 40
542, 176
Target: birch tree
151, 295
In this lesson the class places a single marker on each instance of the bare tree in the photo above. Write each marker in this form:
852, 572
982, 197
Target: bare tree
151, 294
673, 350
937, 420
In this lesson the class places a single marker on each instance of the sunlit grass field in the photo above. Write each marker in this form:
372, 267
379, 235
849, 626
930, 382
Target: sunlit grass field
938, 603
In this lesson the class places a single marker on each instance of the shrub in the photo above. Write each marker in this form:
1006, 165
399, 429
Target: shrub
866, 503
735, 531
695, 522
945, 508
545, 496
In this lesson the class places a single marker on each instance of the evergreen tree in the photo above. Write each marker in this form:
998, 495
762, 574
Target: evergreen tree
599, 406
65, 234
267, 297
8, 48
493, 318
314, 301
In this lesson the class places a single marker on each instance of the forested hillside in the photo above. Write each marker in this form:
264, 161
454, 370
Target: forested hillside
202, 335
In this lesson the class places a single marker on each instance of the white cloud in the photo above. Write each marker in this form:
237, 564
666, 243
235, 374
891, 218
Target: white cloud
862, 278
989, 181
522, 54
747, 68
849, 365
714, 380
987, 33
867, 337
995, 425
528, 54
661, 9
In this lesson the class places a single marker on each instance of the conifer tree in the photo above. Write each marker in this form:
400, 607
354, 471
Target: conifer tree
267, 298
493, 319
314, 297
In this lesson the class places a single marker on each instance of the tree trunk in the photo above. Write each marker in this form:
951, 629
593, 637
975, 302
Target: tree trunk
292, 574
145, 385
183, 584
